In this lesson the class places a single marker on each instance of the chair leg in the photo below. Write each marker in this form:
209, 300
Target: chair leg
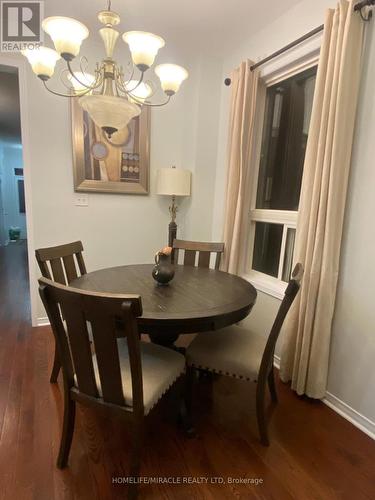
272, 385
185, 403
261, 416
56, 367
189, 383
135, 459
67, 432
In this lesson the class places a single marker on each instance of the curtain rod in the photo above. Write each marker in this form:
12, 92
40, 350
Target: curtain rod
358, 7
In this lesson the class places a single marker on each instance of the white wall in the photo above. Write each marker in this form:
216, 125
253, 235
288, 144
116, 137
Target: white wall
351, 374
11, 158
120, 229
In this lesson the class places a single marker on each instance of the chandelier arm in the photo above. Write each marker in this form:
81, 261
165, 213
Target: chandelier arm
152, 105
131, 75
60, 94
152, 87
129, 92
91, 87
63, 72
83, 59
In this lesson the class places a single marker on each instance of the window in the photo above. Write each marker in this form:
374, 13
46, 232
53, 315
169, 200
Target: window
273, 217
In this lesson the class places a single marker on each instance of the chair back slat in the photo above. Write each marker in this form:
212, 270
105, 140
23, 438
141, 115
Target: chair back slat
204, 259
58, 271
189, 258
81, 263
289, 296
44, 269
204, 249
107, 358
79, 342
61, 260
102, 311
70, 268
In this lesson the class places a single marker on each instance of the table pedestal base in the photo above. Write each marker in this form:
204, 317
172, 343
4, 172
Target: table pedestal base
167, 341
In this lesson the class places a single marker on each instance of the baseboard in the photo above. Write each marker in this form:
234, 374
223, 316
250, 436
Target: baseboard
42, 321
353, 416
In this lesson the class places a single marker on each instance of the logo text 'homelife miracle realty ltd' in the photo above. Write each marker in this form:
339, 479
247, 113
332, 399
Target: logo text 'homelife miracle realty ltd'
21, 25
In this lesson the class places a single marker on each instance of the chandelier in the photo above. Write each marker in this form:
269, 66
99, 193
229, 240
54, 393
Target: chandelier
110, 97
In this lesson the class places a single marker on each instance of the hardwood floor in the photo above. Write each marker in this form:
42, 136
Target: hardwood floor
314, 453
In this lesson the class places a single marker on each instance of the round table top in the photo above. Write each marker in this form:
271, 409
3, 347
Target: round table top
197, 299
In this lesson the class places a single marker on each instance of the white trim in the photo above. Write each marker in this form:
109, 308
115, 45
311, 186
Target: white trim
353, 416
288, 217
266, 284
42, 321
287, 71
362, 423
19, 62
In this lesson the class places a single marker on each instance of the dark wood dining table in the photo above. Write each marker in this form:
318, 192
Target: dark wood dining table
196, 300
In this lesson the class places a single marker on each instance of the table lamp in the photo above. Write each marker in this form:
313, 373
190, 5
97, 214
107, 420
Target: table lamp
173, 182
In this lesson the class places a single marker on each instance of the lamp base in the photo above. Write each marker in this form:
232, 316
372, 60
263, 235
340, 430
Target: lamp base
172, 233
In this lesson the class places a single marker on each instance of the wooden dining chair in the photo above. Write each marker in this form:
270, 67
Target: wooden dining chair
63, 264
237, 352
125, 376
203, 249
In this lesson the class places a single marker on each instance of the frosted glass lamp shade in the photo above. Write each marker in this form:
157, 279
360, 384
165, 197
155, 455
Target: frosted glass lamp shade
82, 81
171, 76
110, 113
173, 182
67, 34
143, 47
43, 61
140, 92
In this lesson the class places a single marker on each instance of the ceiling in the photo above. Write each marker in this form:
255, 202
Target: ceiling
205, 24
10, 127
208, 26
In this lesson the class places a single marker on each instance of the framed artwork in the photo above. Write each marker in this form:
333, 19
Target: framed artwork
117, 165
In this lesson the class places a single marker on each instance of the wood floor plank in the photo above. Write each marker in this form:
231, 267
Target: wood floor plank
314, 453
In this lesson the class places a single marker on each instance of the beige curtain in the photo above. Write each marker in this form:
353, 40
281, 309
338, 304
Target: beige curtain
307, 332
240, 145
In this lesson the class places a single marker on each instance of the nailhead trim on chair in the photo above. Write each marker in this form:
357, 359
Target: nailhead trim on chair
220, 372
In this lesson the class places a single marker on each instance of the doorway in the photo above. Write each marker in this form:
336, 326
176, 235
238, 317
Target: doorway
13, 229
12, 193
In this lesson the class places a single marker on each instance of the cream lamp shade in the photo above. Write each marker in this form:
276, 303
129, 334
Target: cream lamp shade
171, 77
143, 47
67, 35
111, 113
43, 61
173, 182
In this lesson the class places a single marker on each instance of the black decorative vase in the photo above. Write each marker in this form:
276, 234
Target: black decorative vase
163, 271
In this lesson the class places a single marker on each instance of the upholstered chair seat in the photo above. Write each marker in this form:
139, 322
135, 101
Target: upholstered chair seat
233, 351
161, 367
238, 352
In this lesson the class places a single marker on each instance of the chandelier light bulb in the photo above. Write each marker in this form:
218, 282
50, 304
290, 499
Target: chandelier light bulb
143, 47
171, 76
67, 35
43, 61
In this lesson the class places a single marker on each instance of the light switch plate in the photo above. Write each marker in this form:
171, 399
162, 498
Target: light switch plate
81, 200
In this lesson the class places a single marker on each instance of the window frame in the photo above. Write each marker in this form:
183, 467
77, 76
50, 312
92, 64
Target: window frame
288, 218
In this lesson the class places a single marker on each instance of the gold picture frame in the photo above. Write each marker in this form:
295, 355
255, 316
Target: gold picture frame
118, 165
